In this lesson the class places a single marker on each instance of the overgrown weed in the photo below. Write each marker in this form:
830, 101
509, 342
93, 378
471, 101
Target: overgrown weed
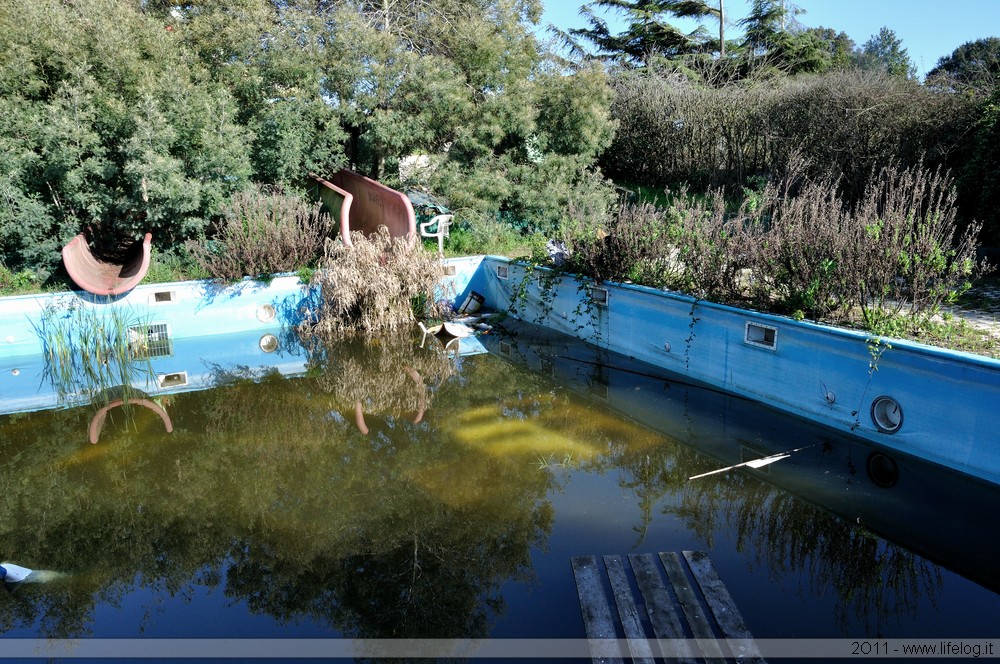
96, 354
796, 247
479, 234
263, 233
16, 283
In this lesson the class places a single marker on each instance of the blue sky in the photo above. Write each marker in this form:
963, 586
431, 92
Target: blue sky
929, 29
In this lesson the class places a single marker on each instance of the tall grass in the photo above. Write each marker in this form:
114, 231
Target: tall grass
95, 354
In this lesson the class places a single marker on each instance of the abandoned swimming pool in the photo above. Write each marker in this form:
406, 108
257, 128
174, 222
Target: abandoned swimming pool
264, 510
267, 513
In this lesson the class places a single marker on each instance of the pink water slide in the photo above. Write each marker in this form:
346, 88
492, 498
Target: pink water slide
97, 422
100, 278
362, 204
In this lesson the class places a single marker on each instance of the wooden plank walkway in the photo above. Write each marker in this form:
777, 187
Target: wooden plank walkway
679, 607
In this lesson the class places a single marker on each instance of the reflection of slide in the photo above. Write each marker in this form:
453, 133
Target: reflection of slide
97, 423
102, 278
364, 205
359, 410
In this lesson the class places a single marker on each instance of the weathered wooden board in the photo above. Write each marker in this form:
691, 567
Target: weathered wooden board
594, 603
722, 605
680, 607
627, 611
660, 606
688, 600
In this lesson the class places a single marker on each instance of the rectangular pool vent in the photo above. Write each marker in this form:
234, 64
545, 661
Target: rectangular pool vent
161, 297
148, 341
599, 296
503, 272
504, 348
762, 336
450, 271
178, 379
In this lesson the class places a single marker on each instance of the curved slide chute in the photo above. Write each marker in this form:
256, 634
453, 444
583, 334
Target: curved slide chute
362, 204
97, 422
100, 278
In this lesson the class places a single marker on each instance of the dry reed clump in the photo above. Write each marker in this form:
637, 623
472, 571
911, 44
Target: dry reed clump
379, 286
262, 234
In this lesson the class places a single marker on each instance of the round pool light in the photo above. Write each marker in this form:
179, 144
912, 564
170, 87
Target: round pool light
887, 414
266, 313
268, 343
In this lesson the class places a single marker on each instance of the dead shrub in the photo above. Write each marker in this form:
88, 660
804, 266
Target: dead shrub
262, 234
379, 286
906, 251
631, 245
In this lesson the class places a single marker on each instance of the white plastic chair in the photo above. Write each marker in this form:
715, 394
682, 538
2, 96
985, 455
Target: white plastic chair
437, 227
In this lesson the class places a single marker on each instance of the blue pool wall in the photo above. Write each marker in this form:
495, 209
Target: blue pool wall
825, 374
190, 308
821, 373
203, 319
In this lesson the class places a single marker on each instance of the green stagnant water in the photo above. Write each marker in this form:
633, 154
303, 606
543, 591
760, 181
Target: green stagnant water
268, 512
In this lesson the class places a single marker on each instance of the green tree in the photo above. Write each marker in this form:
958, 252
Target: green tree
112, 129
650, 31
122, 118
972, 66
466, 84
838, 47
773, 40
885, 52
699, 9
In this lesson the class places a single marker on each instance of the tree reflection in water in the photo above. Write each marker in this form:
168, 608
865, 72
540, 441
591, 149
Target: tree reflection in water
268, 490
876, 581
267, 487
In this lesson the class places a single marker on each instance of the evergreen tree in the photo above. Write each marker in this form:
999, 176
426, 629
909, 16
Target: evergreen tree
885, 52
973, 66
650, 31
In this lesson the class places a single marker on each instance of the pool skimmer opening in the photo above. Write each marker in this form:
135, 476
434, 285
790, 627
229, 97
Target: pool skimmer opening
761, 336
177, 379
599, 296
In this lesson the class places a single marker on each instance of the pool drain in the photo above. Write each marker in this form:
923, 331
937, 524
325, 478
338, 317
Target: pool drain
887, 414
